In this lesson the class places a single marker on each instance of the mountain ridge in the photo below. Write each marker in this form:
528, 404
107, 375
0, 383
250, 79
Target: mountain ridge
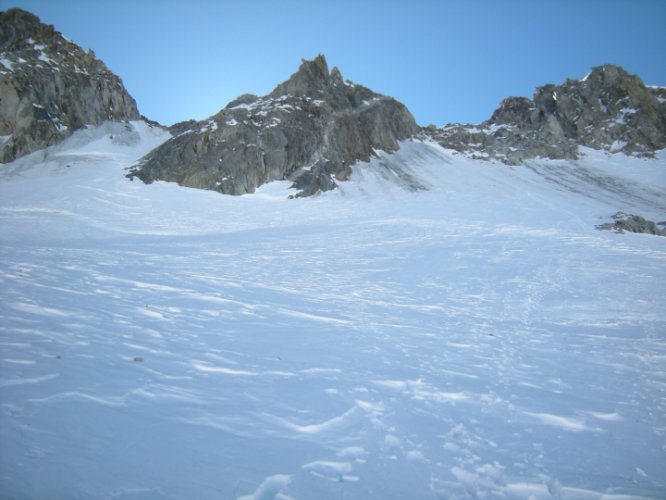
313, 127
608, 109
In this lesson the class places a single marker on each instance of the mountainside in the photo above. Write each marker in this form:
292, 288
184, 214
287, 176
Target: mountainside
608, 109
314, 127
477, 339
50, 87
436, 327
310, 130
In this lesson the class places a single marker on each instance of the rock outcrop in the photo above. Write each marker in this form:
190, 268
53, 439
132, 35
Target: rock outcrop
608, 109
309, 130
50, 87
634, 224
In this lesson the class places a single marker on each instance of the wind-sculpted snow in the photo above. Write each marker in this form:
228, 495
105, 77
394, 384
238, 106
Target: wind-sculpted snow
436, 328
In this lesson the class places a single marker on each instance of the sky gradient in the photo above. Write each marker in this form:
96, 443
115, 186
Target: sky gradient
448, 61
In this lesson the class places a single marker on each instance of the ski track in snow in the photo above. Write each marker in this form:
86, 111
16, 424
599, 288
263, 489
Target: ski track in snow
475, 340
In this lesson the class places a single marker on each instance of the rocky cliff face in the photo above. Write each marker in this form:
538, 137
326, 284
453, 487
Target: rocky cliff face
309, 130
608, 109
50, 87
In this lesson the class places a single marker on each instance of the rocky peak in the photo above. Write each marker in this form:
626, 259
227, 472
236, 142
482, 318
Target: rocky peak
608, 109
311, 129
336, 76
311, 75
18, 25
609, 75
50, 87
513, 110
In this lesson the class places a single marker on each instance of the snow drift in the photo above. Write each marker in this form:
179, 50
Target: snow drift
438, 327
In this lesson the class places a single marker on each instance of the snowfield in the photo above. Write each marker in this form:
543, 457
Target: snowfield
438, 327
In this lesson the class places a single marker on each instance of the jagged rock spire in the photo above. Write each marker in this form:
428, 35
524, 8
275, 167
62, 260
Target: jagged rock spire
311, 75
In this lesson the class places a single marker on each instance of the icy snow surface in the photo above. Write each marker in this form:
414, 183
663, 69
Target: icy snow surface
436, 328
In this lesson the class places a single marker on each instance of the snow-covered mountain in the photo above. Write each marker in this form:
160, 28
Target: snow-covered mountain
438, 326
475, 338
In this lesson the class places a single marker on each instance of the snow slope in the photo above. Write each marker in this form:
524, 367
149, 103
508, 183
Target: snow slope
475, 339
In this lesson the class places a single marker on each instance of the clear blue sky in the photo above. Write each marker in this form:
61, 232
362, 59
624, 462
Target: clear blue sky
448, 61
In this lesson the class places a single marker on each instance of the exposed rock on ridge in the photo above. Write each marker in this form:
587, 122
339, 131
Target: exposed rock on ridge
309, 130
608, 109
50, 87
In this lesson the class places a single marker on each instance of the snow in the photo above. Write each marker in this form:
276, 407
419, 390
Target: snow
211, 126
438, 327
603, 107
9, 65
622, 115
248, 107
44, 58
262, 106
617, 146
494, 127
